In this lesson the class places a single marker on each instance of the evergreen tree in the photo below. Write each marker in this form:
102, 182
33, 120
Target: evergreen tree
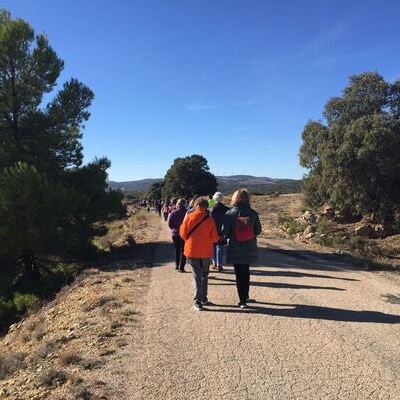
354, 157
48, 200
189, 176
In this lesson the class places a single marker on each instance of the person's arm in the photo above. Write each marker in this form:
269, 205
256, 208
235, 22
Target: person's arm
183, 230
213, 231
257, 225
227, 226
171, 221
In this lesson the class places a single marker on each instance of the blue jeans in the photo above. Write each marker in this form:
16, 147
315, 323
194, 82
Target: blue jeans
219, 255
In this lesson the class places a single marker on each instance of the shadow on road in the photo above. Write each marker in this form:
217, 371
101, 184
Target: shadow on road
306, 259
292, 274
276, 285
311, 312
141, 255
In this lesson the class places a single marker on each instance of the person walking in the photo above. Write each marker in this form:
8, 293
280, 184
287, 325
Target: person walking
159, 207
165, 210
241, 227
218, 213
199, 232
175, 220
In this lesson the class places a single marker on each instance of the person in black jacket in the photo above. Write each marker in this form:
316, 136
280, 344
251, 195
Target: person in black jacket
218, 213
241, 227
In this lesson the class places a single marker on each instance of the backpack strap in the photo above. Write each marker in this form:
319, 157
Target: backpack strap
196, 226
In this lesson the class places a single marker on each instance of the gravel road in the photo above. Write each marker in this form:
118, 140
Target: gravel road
319, 329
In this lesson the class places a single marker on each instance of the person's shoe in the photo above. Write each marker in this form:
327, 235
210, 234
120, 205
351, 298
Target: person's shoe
205, 302
176, 268
198, 306
242, 306
220, 269
249, 300
182, 270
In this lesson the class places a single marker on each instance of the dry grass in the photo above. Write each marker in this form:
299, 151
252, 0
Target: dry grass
10, 363
98, 302
53, 377
272, 208
69, 356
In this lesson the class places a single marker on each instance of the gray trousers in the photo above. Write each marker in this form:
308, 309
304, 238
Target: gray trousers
200, 270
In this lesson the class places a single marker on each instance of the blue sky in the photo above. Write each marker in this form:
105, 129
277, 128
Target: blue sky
233, 80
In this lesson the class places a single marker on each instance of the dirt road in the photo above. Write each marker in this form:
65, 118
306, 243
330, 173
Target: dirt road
319, 330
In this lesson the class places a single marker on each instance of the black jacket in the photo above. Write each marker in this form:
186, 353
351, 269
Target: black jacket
218, 213
241, 252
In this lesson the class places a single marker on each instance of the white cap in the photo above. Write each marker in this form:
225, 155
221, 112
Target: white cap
218, 197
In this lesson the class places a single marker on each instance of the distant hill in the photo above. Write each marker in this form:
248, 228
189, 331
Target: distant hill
142, 185
226, 184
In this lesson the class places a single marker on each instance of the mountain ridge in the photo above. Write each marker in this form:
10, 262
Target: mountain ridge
226, 184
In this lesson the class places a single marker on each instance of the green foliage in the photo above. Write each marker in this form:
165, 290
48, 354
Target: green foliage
34, 212
23, 301
328, 235
49, 202
354, 159
7, 311
189, 176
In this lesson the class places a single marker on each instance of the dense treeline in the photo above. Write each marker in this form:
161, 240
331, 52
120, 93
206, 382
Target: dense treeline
48, 199
353, 157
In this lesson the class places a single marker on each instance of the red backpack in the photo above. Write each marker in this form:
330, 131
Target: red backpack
244, 229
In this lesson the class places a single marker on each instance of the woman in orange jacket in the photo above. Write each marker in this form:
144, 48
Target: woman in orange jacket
199, 232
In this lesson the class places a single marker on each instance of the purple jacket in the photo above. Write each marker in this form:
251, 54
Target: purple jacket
175, 220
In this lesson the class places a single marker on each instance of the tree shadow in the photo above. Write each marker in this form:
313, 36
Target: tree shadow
306, 259
311, 312
276, 285
140, 255
293, 274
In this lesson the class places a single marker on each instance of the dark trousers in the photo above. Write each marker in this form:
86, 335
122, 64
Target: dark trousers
180, 259
242, 272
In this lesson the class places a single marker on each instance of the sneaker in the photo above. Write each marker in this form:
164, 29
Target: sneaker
220, 269
205, 302
242, 306
198, 306
176, 268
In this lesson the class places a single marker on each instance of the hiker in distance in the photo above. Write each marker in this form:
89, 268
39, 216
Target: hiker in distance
241, 227
218, 213
199, 232
175, 220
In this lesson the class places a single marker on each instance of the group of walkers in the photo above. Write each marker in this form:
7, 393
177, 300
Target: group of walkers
203, 228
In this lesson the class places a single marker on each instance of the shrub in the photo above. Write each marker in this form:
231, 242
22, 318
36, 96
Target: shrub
328, 235
24, 301
10, 363
291, 225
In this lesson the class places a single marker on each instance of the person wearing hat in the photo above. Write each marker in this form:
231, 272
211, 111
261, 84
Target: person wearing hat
218, 213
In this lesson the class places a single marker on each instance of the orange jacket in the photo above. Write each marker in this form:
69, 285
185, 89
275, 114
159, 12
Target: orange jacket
201, 241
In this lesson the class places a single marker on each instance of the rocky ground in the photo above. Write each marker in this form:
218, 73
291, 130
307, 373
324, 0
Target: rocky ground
69, 349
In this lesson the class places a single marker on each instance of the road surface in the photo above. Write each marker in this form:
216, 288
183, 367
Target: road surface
319, 329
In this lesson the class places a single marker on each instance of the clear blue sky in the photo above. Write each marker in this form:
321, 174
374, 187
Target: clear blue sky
233, 80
